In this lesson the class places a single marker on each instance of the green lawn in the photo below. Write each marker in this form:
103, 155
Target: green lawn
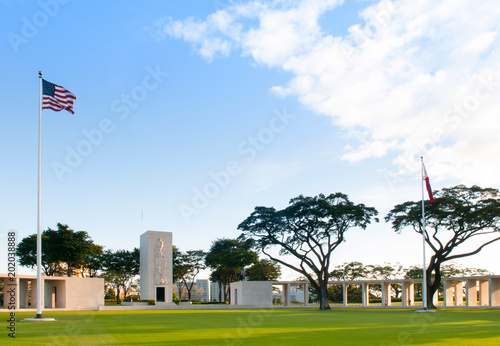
260, 327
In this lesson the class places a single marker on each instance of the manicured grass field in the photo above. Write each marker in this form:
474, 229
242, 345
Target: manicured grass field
259, 327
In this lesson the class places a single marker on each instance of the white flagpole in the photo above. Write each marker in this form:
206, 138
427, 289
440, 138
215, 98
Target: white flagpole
424, 279
39, 285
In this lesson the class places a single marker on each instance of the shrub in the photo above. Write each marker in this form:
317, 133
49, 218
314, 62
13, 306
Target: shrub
111, 301
175, 299
149, 301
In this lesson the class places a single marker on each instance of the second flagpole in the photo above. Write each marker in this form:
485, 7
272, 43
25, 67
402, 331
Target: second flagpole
424, 279
39, 285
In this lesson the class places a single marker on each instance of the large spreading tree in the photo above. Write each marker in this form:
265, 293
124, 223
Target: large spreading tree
63, 252
309, 229
457, 216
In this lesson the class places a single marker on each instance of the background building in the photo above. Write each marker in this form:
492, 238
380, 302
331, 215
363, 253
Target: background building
215, 290
200, 290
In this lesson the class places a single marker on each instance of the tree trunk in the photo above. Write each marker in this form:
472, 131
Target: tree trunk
433, 286
188, 289
117, 295
397, 290
125, 290
430, 300
227, 291
323, 296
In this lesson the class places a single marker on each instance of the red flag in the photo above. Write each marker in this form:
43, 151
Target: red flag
427, 184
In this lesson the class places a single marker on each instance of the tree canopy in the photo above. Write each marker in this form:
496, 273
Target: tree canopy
458, 215
309, 229
228, 258
63, 251
349, 271
263, 270
120, 268
177, 269
188, 266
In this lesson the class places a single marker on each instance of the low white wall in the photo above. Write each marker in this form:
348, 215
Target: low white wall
84, 293
252, 293
60, 292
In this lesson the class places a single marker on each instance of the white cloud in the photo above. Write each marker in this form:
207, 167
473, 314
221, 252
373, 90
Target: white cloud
284, 33
415, 77
481, 42
204, 35
375, 149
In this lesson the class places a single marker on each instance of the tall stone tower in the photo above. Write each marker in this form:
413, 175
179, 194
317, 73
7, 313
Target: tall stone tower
156, 266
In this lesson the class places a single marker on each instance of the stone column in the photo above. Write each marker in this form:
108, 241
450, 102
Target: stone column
405, 293
471, 292
306, 294
459, 293
494, 291
284, 293
386, 293
156, 265
484, 293
365, 294
412, 294
344, 293
448, 292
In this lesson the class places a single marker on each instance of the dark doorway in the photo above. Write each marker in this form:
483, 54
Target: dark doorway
160, 294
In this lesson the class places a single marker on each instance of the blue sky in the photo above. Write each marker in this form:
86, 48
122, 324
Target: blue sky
189, 114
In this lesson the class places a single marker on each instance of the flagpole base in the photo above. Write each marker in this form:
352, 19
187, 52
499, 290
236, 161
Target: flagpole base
425, 310
39, 319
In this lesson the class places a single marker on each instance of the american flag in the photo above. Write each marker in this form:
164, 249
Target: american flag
57, 98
